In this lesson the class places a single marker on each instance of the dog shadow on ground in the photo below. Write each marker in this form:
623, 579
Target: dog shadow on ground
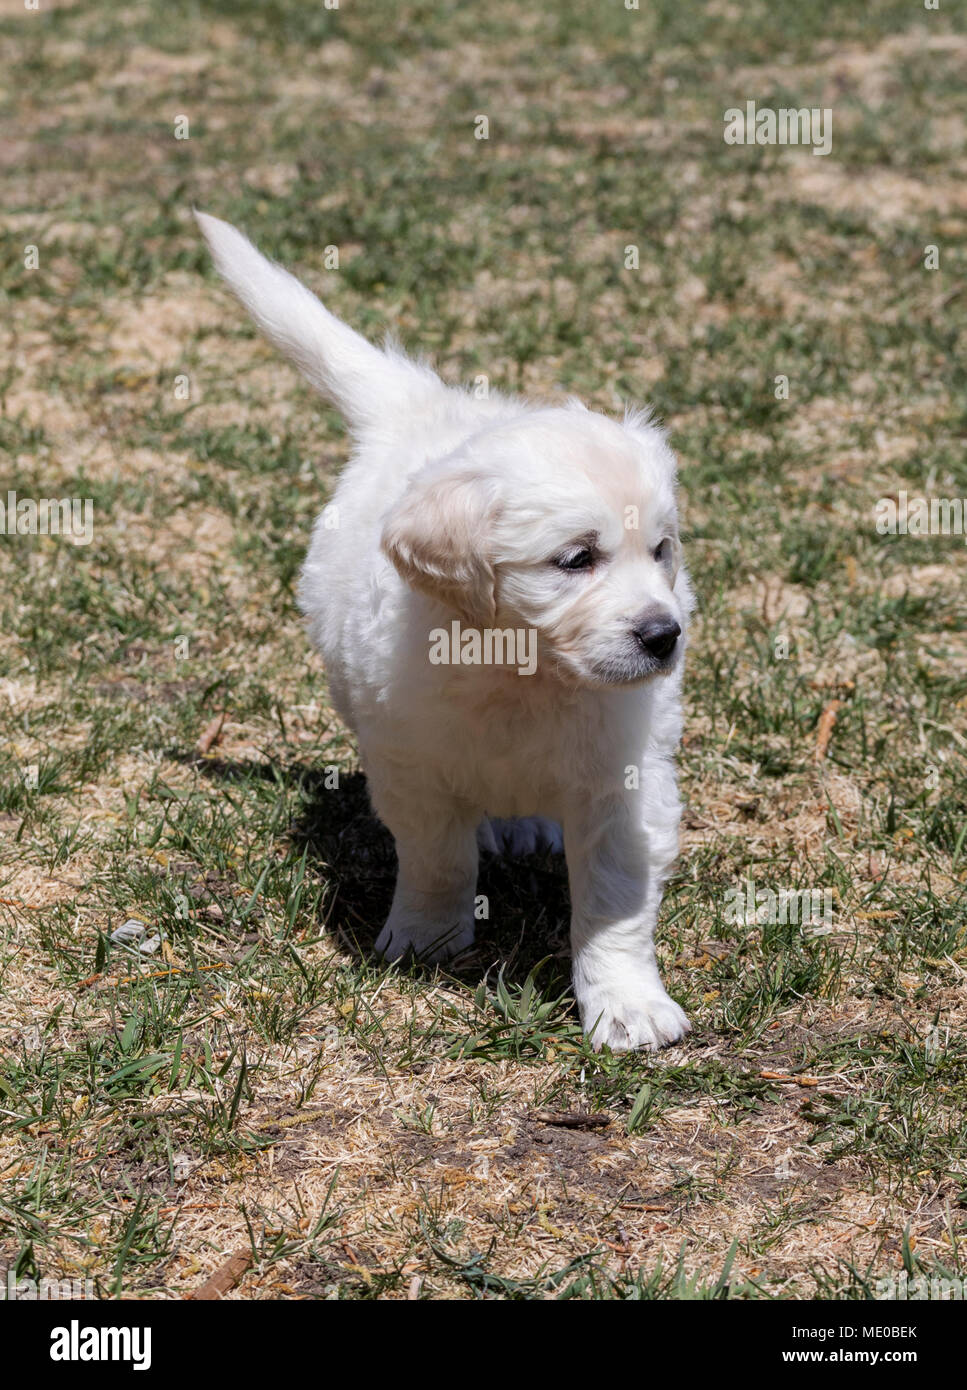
348, 847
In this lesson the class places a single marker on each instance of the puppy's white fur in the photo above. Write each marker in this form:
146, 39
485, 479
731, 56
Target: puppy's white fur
467, 509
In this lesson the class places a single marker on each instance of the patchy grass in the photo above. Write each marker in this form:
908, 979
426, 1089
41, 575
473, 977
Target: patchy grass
259, 1082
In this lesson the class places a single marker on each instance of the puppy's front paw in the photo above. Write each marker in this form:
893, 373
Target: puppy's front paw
426, 941
626, 1024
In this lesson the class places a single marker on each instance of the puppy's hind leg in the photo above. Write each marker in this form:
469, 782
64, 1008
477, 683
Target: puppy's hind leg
432, 915
519, 835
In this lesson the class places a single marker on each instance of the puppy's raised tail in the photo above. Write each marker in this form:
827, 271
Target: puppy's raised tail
364, 382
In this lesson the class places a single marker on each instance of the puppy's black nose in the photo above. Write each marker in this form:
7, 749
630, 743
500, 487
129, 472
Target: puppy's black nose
658, 637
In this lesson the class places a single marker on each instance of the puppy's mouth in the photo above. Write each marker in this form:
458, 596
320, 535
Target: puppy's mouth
653, 648
632, 669
650, 649
626, 666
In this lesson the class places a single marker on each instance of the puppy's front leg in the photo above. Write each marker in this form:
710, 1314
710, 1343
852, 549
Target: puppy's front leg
617, 866
433, 903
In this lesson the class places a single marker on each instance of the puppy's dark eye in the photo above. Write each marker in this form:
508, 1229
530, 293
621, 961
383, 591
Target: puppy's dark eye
582, 559
662, 550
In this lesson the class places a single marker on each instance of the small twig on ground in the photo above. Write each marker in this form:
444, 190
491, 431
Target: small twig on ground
824, 731
291, 1120
150, 975
211, 734
571, 1119
224, 1279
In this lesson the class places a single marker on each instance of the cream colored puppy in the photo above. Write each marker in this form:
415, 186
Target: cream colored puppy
497, 593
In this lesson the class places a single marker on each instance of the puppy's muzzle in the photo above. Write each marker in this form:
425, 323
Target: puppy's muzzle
657, 637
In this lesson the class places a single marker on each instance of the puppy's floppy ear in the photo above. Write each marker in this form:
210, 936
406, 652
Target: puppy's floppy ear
438, 537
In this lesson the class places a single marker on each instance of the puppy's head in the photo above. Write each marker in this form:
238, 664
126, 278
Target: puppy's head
562, 521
